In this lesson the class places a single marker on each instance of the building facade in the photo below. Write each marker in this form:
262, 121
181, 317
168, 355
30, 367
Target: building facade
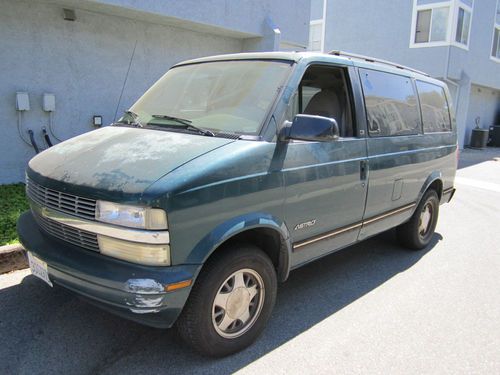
457, 41
76, 63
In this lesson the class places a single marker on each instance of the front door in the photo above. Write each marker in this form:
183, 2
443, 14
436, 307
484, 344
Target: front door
325, 182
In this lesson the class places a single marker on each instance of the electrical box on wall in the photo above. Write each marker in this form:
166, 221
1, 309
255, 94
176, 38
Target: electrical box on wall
22, 101
97, 121
49, 102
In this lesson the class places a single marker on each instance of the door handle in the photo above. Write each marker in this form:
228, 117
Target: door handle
363, 170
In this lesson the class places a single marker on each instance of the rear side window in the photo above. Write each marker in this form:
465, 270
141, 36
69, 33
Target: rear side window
391, 104
435, 111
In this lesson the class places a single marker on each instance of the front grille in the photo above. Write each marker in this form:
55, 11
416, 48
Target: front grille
67, 203
69, 234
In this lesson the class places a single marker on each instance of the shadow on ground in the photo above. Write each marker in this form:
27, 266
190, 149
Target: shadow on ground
53, 331
470, 157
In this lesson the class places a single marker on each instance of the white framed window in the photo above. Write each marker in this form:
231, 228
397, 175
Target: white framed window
464, 18
495, 48
441, 23
316, 36
317, 27
431, 24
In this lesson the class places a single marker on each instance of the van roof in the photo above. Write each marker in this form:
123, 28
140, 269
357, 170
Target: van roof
349, 58
350, 55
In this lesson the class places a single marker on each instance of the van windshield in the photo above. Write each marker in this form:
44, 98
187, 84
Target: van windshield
223, 96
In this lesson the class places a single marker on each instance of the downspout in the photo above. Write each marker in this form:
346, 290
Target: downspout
273, 33
323, 27
447, 79
457, 85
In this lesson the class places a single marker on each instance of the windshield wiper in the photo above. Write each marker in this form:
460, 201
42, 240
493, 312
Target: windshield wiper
187, 124
135, 119
183, 121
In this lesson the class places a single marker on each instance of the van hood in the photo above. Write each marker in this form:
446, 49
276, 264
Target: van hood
121, 159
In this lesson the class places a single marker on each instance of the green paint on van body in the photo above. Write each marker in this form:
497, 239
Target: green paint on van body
214, 188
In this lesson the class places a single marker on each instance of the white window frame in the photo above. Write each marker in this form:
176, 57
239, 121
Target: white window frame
321, 21
322, 42
416, 9
451, 29
466, 8
494, 58
496, 26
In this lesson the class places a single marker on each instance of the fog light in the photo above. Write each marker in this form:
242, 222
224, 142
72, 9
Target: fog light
151, 255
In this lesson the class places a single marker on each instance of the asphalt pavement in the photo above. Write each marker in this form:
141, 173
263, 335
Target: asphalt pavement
374, 308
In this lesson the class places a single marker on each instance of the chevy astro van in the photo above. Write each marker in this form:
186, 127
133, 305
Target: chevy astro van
230, 172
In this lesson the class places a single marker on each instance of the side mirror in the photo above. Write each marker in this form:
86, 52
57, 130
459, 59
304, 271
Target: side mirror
312, 128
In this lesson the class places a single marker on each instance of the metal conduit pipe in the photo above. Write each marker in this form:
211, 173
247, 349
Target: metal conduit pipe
47, 137
33, 142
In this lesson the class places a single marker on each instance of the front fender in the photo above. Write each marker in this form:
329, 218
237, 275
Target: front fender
240, 224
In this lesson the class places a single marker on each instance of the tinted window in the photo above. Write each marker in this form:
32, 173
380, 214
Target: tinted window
391, 104
435, 113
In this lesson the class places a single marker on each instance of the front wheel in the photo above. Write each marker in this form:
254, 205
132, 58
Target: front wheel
230, 303
418, 231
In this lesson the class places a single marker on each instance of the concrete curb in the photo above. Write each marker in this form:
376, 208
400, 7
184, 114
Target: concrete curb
10, 248
12, 258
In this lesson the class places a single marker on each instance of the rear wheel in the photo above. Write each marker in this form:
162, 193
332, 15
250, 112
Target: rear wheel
230, 303
418, 231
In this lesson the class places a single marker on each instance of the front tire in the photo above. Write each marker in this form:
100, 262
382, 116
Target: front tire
417, 233
231, 301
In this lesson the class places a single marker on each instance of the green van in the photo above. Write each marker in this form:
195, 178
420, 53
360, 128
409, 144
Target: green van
230, 172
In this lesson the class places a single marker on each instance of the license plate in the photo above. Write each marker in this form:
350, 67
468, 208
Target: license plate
39, 268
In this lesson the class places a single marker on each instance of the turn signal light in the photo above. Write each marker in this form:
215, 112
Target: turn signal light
179, 285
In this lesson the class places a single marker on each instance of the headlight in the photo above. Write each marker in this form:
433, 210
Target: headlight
151, 255
131, 216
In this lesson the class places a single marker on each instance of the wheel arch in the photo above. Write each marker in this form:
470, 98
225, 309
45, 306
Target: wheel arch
434, 181
263, 230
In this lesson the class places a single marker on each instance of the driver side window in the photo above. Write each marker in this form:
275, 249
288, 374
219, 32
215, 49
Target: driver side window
323, 91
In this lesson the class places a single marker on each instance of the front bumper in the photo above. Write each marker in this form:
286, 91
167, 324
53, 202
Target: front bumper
130, 290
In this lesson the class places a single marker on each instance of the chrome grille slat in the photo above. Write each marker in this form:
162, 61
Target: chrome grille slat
64, 202
63, 232
69, 204
69, 232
